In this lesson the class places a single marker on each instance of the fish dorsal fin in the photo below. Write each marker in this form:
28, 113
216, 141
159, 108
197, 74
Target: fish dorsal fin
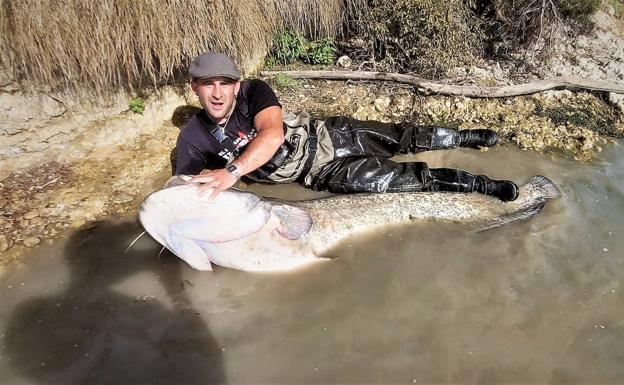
294, 221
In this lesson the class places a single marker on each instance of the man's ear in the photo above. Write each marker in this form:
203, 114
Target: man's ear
236, 88
194, 85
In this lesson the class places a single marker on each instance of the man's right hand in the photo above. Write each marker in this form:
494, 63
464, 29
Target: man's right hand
214, 181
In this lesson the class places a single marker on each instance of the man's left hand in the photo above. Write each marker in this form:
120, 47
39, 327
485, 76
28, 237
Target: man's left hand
215, 180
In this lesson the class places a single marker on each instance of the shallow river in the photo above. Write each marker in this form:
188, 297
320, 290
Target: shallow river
534, 302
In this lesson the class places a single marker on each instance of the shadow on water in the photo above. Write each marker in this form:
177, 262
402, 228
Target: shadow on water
90, 333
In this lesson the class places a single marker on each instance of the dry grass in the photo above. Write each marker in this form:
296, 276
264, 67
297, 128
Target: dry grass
99, 45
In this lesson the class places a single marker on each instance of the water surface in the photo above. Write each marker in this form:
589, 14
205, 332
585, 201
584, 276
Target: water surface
535, 302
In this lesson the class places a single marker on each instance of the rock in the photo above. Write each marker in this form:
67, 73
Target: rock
345, 99
361, 113
403, 103
31, 241
31, 214
4, 244
382, 103
617, 100
344, 61
123, 197
36, 147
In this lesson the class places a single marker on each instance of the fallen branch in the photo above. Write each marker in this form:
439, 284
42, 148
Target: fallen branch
428, 87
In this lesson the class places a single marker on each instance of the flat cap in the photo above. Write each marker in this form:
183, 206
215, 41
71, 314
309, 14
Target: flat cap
212, 64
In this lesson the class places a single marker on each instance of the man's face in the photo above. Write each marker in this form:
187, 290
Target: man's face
216, 95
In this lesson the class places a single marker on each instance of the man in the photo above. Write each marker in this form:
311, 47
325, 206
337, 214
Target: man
241, 132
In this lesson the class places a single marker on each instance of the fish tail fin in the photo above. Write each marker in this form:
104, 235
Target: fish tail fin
544, 187
516, 216
537, 191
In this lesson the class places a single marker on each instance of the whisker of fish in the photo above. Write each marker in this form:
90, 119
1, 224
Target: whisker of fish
158, 256
133, 242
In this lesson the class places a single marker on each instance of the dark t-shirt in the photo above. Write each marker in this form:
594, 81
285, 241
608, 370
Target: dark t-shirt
198, 149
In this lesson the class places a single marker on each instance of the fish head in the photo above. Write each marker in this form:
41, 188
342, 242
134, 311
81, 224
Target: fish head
190, 224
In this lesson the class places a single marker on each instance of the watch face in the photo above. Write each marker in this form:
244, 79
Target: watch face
232, 168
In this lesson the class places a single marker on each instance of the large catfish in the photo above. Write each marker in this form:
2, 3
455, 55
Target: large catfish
240, 230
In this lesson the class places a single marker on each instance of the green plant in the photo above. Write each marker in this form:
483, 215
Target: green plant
137, 105
288, 47
321, 52
284, 81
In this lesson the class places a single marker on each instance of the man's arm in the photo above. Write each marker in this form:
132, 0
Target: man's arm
269, 125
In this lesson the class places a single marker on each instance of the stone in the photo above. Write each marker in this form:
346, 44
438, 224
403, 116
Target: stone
345, 99
4, 244
617, 100
403, 103
37, 222
31, 241
31, 214
123, 197
382, 103
344, 61
361, 113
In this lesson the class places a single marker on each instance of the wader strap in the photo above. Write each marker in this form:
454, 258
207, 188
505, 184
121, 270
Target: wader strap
312, 147
225, 141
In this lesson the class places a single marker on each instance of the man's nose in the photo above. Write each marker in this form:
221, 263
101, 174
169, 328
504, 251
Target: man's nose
217, 92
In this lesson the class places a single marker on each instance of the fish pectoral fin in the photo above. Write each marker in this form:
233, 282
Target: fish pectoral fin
294, 221
190, 252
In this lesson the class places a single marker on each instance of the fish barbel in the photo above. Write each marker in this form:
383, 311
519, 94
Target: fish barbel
241, 230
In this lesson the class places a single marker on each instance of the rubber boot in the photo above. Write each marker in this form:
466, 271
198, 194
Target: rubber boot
443, 138
478, 138
453, 180
504, 190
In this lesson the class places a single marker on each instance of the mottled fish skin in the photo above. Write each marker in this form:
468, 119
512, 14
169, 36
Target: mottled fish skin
298, 233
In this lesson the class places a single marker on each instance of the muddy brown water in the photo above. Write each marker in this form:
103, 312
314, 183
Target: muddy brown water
535, 302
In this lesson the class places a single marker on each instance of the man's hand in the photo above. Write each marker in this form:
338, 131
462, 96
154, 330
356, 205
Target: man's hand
215, 180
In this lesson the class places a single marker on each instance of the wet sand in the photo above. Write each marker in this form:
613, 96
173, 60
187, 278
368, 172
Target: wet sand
535, 302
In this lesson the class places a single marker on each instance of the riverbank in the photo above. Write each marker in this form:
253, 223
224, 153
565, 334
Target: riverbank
41, 203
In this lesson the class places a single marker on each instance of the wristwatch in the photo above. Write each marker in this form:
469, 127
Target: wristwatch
232, 169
